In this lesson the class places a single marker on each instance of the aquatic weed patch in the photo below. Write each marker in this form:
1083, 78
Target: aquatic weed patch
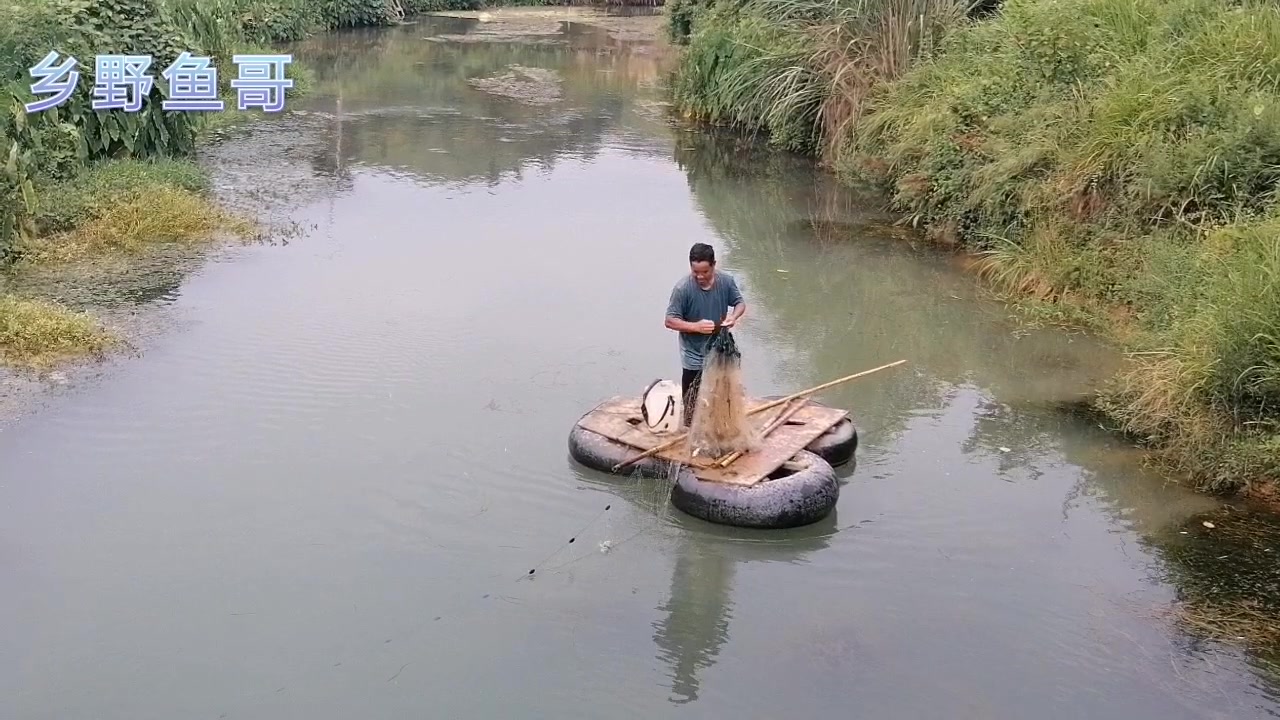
533, 86
1224, 567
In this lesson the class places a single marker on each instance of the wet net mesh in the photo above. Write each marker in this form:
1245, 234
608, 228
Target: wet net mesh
720, 424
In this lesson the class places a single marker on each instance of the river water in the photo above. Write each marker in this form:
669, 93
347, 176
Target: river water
318, 491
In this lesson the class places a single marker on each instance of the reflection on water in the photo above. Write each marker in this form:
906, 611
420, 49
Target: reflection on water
695, 613
315, 496
407, 106
696, 617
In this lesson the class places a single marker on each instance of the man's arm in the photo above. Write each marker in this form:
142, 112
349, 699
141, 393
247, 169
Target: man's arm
684, 326
736, 312
739, 305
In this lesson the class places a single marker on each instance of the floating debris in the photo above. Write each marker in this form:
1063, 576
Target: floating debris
534, 86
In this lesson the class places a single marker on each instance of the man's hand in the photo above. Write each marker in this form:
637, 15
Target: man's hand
729, 320
706, 327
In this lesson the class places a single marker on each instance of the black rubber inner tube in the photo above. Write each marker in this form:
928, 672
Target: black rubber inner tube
801, 492
598, 452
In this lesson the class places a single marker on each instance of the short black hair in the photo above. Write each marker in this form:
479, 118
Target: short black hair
702, 252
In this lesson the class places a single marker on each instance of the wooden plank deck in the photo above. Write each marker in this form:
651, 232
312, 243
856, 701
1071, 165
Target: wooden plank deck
618, 418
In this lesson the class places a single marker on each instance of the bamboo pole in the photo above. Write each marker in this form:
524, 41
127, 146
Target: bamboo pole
824, 386
652, 451
775, 418
774, 424
772, 404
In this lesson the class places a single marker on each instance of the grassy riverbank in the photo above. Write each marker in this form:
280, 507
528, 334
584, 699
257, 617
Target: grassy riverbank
1114, 162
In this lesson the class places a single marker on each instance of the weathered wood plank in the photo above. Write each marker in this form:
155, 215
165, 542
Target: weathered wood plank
619, 419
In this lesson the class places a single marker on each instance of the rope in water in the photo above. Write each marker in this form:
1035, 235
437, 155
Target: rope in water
572, 540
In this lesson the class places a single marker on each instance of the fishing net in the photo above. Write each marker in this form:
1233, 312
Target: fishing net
720, 424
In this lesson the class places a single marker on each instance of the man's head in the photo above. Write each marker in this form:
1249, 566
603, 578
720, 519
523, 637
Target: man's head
702, 263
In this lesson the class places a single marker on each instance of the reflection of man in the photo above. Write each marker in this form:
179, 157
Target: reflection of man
696, 616
698, 302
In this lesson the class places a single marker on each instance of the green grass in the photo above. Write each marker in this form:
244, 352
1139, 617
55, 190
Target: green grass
37, 334
1115, 163
128, 207
65, 206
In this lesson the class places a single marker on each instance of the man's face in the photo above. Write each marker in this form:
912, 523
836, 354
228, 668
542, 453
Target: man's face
702, 272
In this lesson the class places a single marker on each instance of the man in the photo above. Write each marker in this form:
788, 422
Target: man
698, 302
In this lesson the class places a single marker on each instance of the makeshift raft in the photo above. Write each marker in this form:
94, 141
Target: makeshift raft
786, 481
619, 419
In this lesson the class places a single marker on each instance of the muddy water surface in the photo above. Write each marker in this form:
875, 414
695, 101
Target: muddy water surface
318, 492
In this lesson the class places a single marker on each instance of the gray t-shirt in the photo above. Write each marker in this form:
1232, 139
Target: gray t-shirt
693, 304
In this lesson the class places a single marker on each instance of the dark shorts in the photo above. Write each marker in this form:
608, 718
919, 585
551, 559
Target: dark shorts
689, 392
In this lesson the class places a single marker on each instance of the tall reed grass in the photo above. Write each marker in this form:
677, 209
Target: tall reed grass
800, 70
